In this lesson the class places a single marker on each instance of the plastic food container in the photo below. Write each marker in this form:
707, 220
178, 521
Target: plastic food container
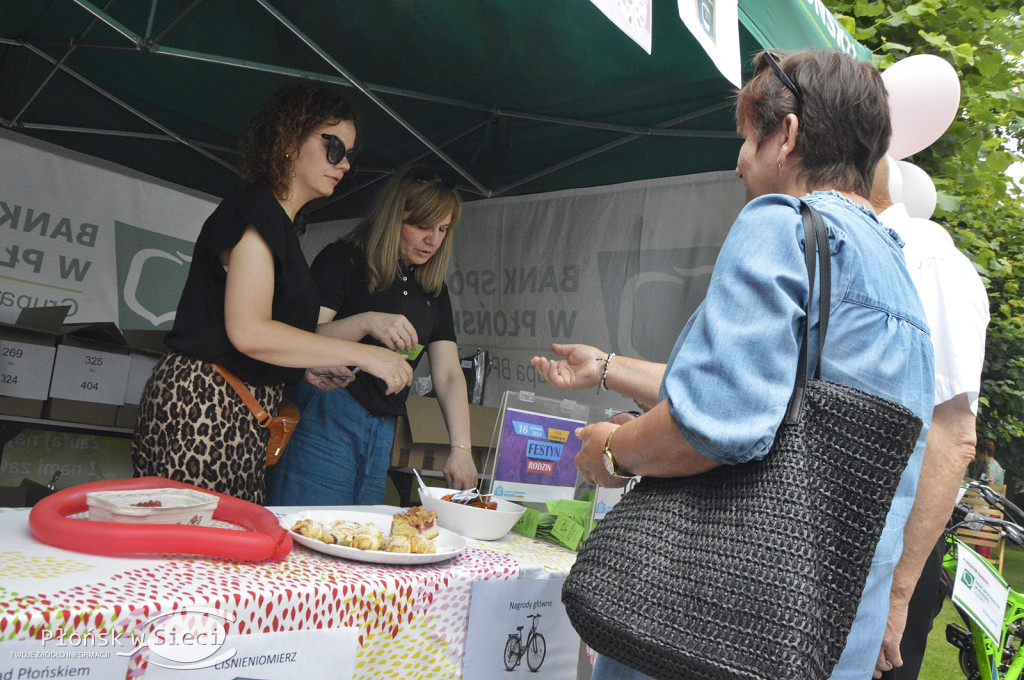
469, 521
152, 506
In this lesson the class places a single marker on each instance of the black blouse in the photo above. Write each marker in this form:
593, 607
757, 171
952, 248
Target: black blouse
341, 275
199, 329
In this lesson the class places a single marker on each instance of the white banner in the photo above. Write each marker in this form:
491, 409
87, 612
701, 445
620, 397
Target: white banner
715, 25
75, 231
633, 17
619, 267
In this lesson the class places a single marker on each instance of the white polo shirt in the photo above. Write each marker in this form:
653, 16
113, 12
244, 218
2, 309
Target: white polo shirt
954, 300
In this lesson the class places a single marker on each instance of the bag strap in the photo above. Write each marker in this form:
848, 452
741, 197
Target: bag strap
262, 417
815, 239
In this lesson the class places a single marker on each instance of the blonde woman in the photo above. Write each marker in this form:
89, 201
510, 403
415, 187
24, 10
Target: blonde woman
384, 284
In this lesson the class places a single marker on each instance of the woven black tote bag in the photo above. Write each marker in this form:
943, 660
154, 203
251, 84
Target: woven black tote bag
751, 570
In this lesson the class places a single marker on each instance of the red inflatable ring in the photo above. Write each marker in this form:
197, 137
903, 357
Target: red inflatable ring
264, 540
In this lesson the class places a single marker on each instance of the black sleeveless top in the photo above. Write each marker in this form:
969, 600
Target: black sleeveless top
341, 275
199, 330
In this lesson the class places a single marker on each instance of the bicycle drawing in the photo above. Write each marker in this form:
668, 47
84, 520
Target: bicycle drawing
534, 649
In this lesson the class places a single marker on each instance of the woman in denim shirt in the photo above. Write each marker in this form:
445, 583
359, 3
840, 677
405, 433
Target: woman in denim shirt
814, 126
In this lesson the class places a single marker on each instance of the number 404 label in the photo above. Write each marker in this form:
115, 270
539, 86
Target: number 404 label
89, 375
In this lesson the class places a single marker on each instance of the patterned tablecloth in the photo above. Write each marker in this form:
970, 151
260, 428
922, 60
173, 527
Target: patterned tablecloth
412, 620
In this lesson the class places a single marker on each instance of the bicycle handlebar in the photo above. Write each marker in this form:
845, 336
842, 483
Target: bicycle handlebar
996, 500
965, 517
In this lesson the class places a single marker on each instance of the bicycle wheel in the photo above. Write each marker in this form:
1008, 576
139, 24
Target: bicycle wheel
512, 655
536, 648
969, 664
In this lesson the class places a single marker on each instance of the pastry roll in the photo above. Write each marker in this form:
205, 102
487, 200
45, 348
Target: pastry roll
422, 546
369, 537
343, 532
310, 529
398, 544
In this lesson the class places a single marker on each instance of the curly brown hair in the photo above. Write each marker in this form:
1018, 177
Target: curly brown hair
279, 125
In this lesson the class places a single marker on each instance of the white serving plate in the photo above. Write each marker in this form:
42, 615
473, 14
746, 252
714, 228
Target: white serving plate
449, 544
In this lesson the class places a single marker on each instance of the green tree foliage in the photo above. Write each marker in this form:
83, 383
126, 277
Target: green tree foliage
978, 203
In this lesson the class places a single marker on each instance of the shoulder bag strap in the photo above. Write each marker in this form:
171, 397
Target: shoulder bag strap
815, 239
262, 417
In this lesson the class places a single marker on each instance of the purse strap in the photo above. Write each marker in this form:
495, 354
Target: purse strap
262, 417
815, 239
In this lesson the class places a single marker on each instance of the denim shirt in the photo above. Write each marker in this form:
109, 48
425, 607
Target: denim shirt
732, 370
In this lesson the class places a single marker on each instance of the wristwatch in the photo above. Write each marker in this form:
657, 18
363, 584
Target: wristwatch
609, 459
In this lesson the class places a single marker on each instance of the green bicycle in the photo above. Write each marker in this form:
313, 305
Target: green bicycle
990, 639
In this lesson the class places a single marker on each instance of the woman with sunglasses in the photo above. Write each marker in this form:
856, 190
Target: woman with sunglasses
250, 305
814, 125
384, 283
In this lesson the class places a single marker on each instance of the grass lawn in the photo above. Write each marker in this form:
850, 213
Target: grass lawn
940, 658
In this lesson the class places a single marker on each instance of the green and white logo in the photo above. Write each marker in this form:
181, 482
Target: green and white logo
151, 271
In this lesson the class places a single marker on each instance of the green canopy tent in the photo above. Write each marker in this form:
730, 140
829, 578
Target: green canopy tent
514, 96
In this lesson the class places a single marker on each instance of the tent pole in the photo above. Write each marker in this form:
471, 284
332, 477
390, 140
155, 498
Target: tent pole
167, 131
625, 140
373, 97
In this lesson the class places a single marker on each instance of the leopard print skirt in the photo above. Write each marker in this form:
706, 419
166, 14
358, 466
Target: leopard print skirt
194, 428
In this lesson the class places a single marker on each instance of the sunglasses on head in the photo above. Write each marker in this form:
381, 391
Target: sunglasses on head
772, 60
422, 174
336, 150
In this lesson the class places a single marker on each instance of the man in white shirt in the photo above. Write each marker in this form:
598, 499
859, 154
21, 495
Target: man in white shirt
957, 310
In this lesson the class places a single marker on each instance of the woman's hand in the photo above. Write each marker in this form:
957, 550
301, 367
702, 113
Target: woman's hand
460, 470
393, 330
324, 379
390, 367
590, 459
581, 368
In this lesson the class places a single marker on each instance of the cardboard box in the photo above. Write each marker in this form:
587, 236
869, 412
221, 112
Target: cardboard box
90, 374
146, 348
421, 438
27, 351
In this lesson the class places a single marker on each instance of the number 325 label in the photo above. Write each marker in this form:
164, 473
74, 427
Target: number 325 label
90, 375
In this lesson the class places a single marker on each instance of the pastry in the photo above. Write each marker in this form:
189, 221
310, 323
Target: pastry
343, 532
369, 537
398, 544
310, 529
416, 522
421, 546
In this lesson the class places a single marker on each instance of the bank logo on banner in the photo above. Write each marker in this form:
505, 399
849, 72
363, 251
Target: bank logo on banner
151, 271
650, 294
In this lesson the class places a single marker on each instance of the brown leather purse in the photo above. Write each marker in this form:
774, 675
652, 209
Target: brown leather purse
280, 427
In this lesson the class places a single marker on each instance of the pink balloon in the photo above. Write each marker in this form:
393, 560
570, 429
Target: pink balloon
924, 95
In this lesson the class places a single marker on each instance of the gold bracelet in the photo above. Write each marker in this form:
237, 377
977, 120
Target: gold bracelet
460, 446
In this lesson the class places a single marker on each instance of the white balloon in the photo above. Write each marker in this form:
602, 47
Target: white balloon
895, 180
932, 231
924, 95
919, 195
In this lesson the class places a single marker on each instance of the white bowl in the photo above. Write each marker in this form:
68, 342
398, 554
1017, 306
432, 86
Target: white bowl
468, 521
152, 506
